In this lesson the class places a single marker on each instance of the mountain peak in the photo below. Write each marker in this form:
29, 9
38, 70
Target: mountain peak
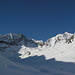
67, 33
60, 38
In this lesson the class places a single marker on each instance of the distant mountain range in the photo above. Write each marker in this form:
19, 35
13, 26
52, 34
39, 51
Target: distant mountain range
22, 56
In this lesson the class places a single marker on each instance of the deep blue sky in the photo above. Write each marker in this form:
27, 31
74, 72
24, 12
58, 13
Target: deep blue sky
38, 19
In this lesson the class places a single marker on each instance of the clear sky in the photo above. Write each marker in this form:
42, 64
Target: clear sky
38, 19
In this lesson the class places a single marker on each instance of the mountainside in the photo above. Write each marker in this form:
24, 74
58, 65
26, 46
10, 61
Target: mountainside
20, 55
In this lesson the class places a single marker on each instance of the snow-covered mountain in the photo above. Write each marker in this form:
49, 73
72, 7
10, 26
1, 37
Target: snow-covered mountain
20, 55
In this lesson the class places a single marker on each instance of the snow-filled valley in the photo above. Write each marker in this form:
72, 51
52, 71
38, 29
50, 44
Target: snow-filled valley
22, 56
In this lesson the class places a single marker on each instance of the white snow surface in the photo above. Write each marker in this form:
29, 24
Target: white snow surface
56, 56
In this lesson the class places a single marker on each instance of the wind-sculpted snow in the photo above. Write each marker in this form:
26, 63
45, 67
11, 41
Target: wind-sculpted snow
20, 55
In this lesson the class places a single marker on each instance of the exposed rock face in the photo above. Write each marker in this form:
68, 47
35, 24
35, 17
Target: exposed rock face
11, 39
60, 38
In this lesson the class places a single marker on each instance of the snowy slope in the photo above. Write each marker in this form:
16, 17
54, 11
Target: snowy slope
20, 55
8, 67
61, 47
